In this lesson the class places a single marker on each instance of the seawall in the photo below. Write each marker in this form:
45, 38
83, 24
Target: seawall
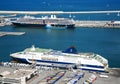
100, 24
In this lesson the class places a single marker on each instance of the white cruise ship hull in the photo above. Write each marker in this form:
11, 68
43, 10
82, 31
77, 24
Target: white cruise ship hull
62, 60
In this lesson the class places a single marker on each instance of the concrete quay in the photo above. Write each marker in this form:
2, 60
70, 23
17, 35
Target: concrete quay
92, 24
46, 75
78, 23
11, 33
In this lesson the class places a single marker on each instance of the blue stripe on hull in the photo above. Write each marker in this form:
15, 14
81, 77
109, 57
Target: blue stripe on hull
29, 25
55, 62
43, 61
43, 25
93, 70
25, 61
95, 66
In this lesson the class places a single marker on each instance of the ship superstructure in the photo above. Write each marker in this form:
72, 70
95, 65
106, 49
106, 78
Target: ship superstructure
45, 22
67, 58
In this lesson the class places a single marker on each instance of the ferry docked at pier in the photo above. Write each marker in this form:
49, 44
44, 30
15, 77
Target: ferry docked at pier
44, 22
68, 58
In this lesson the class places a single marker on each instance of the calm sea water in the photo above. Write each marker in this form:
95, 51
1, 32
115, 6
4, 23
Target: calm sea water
105, 42
59, 5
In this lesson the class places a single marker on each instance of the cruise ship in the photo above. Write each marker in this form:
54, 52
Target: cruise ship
44, 22
68, 58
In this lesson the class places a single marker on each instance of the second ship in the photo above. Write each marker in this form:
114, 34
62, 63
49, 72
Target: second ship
63, 59
44, 22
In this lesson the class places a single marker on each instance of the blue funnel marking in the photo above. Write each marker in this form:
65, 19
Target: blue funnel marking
71, 50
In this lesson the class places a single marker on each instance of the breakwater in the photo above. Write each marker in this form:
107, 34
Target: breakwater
58, 12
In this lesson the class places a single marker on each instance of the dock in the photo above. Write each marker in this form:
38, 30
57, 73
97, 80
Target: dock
19, 73
78, 23
11, 33
97, 24
7, 20
88, 23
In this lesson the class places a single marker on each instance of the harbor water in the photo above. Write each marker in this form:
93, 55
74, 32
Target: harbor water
103, 41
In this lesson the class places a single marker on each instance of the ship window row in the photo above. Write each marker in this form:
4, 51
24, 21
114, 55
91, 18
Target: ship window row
35, 20
113, 24
45, 22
